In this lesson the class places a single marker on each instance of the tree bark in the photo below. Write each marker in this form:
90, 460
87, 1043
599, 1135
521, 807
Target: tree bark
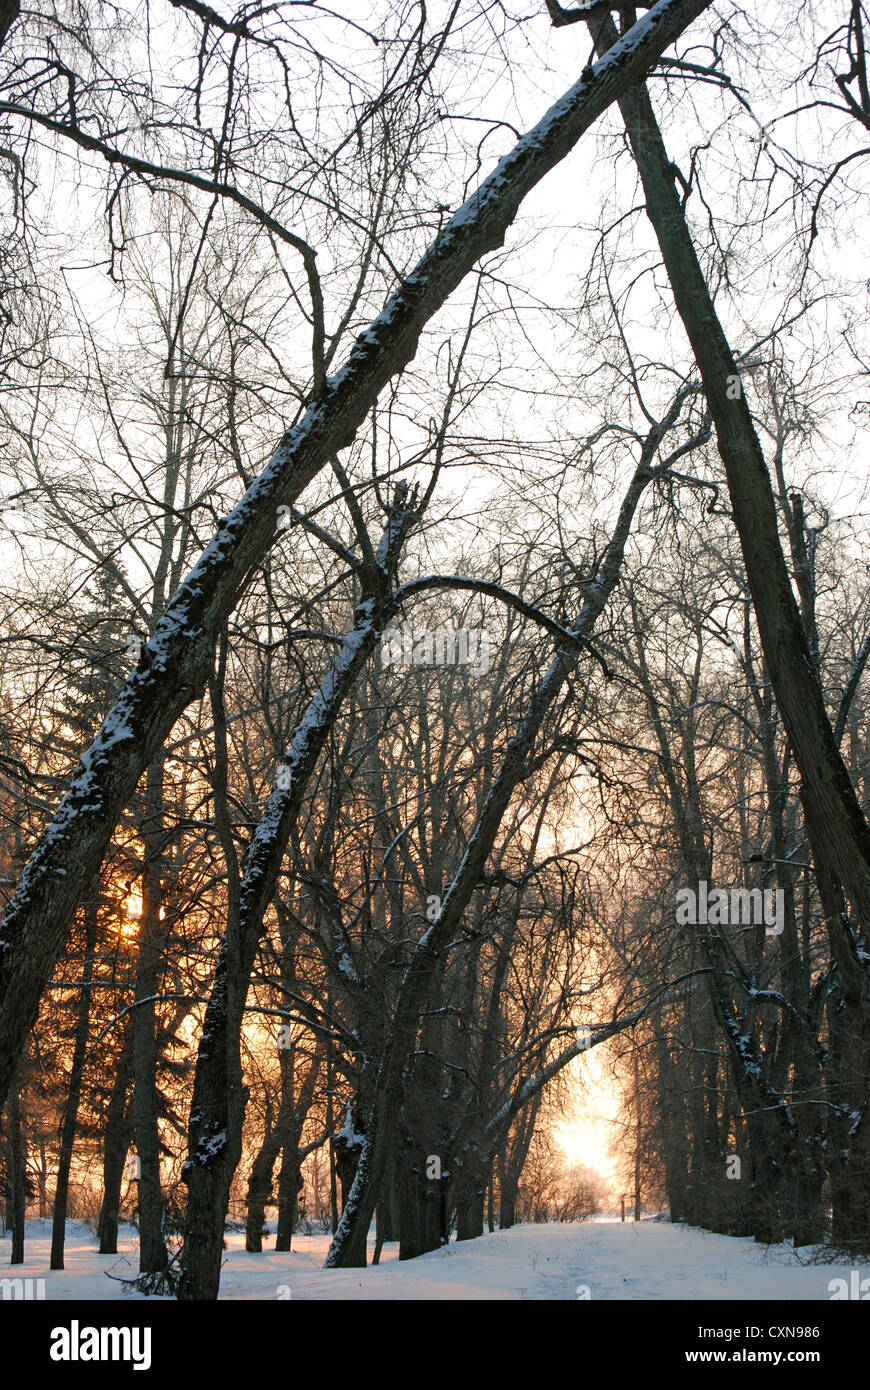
289, 1186
153, 1256
116, 1143
9, 12
418, 1199
71, 1108
219, 1098
260, 1190
16, 1176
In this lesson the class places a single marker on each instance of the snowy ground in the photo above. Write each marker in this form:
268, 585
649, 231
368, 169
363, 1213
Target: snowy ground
651, 1260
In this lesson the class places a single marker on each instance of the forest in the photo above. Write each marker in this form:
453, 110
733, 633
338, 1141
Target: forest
434, 614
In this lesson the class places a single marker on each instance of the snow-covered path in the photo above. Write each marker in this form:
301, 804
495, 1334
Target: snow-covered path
651, 1260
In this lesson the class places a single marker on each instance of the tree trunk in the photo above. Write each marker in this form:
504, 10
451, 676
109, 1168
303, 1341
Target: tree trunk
42, 1190
152, 1247
283, 1137
16, 1177
514, 1153
841, 829
116, 1143
387, 1217
260, 1190
71, 1108
471, 1206
290, 1184
419, 1201
219, 1098
330, 1123
507, 1209
9, 12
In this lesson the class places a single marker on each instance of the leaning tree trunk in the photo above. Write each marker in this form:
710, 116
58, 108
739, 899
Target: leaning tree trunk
219, 1098
71, 1108
840, 830
177, 660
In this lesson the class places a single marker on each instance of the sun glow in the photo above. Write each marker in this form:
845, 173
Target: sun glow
131, 912
588, 1135
131, 908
